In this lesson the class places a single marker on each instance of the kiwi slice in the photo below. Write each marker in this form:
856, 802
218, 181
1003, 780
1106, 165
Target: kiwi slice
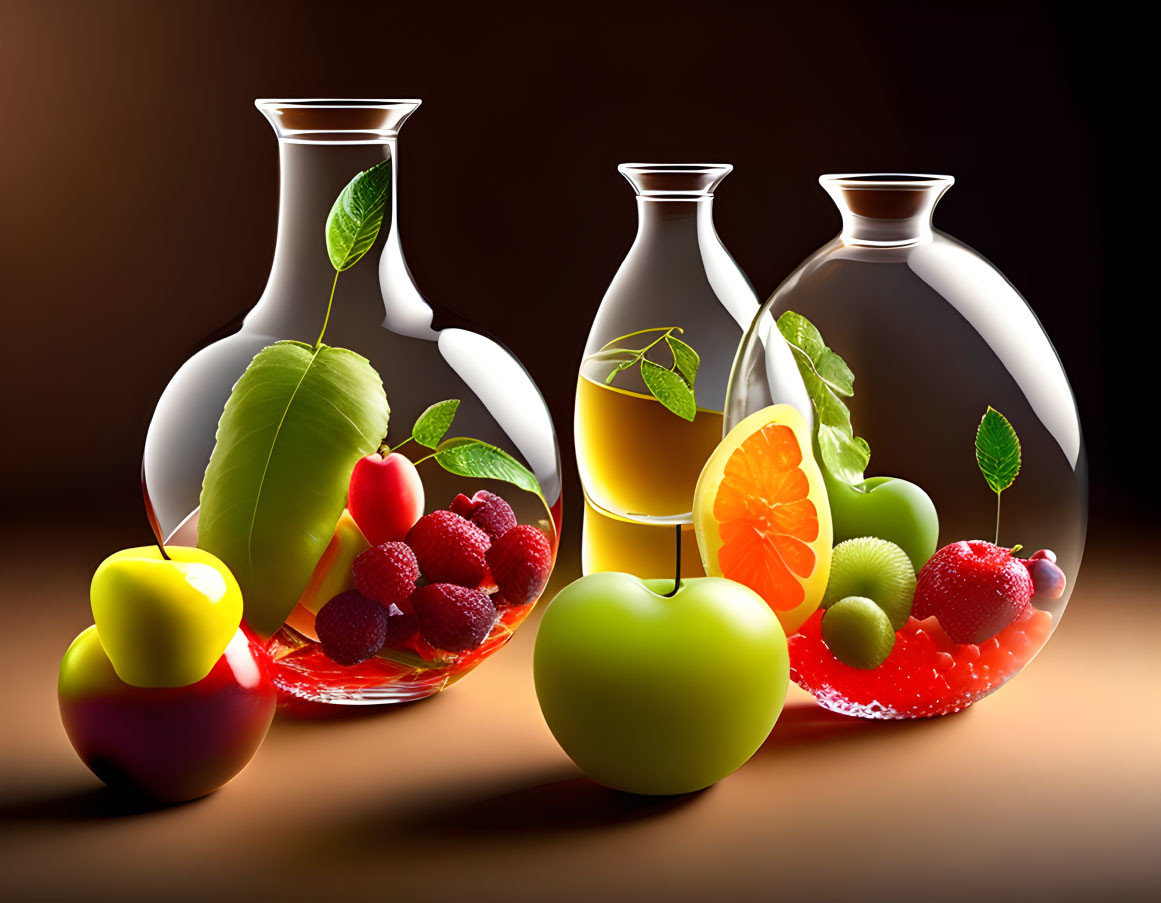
874, 569
858, 632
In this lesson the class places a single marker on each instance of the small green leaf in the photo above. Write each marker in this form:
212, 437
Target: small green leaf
685, 359
357, 214
997, 450
669, 389
474, 458
434, 423
828, 380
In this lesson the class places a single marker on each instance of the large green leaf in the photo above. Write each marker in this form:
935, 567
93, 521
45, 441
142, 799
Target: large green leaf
295, 424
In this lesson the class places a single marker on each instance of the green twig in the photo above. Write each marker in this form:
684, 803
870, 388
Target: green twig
327, 318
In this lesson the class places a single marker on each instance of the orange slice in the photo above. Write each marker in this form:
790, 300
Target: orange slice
761, 514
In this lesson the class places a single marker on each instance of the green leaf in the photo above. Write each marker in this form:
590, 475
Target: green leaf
354, 220
669, 389
475, 458
997, 450
685, 359
434, 423
295, 424
827, 379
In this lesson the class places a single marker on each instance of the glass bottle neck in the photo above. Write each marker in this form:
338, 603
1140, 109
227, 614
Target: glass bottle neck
311, 177
886, 209
673, 219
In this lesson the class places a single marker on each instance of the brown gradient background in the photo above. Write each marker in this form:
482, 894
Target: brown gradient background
138, 191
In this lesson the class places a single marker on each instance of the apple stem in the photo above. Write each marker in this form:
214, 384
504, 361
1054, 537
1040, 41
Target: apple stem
677, 575
151, 515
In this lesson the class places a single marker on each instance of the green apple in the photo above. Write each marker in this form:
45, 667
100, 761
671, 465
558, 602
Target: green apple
164, 623
660, 695
886, 507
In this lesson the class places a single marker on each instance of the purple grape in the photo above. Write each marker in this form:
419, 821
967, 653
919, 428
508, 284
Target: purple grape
1048, 579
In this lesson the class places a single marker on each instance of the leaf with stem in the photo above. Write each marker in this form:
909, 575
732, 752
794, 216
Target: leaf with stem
997, 454
672, 386
828, 380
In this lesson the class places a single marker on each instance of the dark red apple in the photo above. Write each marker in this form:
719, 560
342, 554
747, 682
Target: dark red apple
168, 743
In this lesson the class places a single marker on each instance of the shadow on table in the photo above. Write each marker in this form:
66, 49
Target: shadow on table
81, 806
555, 806
806, 724
299, 714
571, 804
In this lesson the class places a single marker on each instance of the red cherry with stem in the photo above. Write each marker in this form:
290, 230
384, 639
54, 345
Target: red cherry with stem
385, 497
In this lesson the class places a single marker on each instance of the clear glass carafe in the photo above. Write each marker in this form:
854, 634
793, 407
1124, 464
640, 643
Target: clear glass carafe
638, 460
423, 354
936, 338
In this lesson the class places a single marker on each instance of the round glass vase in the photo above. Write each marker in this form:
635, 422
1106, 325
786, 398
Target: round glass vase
935, 339
678, 287
423, 355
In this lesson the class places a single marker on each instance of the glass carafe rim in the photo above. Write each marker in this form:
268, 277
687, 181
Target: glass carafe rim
890, 181
334, 120
674, 181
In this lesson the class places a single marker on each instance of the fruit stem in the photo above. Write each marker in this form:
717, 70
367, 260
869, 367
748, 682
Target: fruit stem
327, 318
997, 540
677, 575
151, 516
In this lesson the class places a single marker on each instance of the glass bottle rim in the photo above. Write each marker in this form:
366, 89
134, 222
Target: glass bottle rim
878, 181
334, 120
675, 181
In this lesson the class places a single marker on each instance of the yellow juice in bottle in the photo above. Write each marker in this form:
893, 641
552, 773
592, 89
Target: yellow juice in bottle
638, 462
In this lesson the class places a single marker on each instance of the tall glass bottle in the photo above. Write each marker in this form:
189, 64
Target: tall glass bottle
423, 354
638, 460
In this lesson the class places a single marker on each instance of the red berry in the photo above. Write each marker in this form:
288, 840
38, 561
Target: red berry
449, 549
520, 562
453, 618
351, 628
487, 511
386, 573
974, 588
402, 626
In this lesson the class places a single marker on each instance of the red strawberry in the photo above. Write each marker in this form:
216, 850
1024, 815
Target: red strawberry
351, 628
520, 562
386, 573
449, 549
487, 511
974, 588
453, 618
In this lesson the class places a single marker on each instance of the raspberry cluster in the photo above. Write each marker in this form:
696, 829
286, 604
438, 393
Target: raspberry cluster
442, 588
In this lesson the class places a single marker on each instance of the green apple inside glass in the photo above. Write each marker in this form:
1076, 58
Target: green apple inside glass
660, 695
886, 507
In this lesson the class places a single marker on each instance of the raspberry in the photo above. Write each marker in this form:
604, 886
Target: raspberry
351, 628
520, 562
453, 618
974, 588
386, 573
402, 626
487, 511
449, 549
